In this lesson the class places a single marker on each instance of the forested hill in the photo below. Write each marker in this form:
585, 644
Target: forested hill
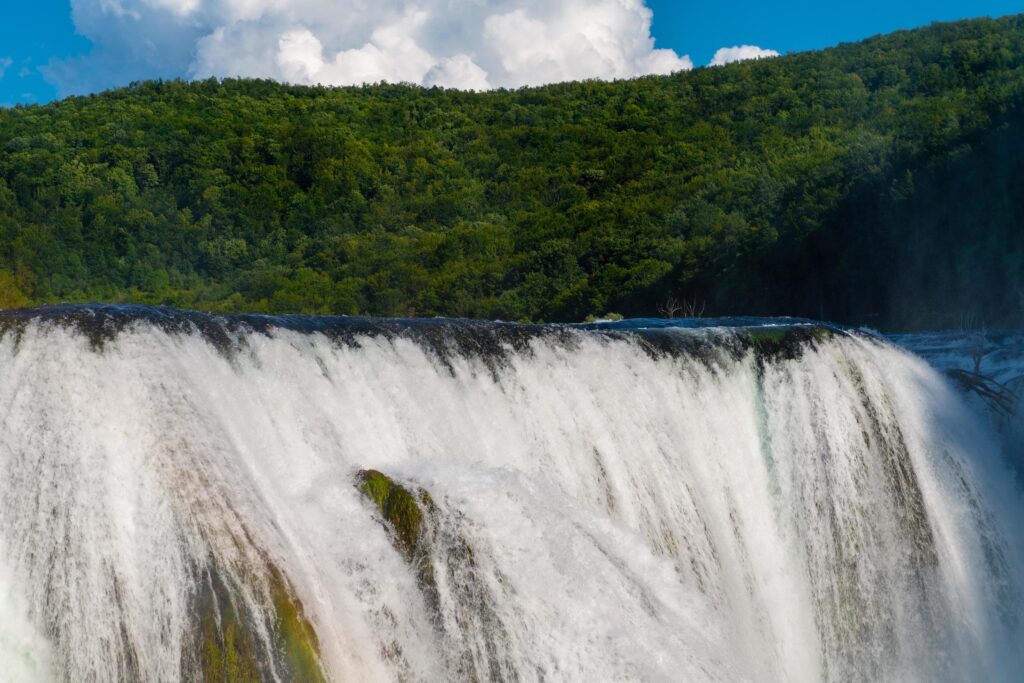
876, 183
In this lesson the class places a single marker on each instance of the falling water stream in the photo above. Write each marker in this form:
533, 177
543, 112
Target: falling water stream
187, 497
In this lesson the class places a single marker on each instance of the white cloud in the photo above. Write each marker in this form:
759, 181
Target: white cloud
738, 53
5, 64
459, 71
473, 44
576, 40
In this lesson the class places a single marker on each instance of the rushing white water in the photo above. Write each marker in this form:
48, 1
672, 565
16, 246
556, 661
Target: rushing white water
601, 511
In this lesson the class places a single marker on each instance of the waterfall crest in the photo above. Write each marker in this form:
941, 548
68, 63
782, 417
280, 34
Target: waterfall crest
246, 498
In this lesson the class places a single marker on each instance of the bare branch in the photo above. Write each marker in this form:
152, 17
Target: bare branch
977, 340
669, 308
685, 309
1000, 397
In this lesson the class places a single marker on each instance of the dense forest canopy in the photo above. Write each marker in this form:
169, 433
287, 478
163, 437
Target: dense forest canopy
876, 183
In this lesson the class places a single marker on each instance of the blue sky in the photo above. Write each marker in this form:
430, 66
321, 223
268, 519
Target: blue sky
33, 35
699, 28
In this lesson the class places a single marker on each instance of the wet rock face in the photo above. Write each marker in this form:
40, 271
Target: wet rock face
237, 642
476, 641
445, 338
400, 508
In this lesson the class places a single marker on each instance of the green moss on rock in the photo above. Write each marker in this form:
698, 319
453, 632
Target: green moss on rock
417, 528
295, 637
784, 342
823, 334
401, 509
766, 336
231, 648
404, 512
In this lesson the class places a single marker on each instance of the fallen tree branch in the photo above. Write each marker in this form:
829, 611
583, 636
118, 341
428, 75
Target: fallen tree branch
998, 396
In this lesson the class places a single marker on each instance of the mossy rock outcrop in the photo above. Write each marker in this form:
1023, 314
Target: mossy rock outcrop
402, 509
232, 639
420, 534
404, 512
229, 650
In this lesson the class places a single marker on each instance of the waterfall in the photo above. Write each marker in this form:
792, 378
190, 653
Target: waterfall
189, 497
